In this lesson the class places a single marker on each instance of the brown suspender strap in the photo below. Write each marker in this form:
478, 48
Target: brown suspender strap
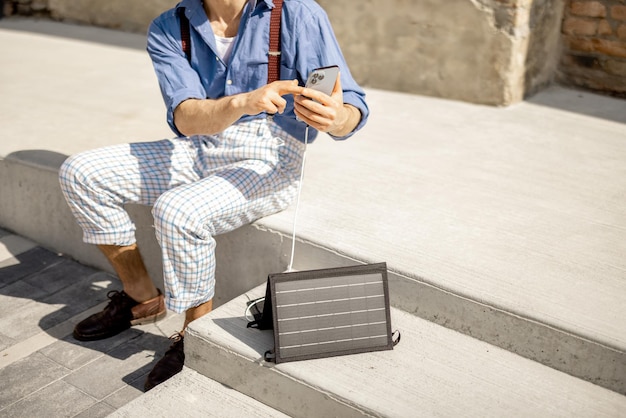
185, 37
273, 70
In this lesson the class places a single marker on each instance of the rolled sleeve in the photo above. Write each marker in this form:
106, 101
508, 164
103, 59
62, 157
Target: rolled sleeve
358, 101
318, 47
178, 81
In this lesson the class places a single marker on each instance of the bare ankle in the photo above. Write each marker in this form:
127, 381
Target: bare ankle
129, 266
141, 294
196, 312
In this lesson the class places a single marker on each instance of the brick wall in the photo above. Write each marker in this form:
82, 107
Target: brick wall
594, 45
24, 7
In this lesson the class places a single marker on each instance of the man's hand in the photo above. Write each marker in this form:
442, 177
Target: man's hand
268, 98
327, 113
207, 116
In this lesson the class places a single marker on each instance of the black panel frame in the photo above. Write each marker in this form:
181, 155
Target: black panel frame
377, 268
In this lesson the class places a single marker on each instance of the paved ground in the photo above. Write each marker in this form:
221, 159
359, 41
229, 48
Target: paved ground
43, 370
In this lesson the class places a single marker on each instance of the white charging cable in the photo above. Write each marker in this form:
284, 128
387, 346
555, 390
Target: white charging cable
295, 215
256, 302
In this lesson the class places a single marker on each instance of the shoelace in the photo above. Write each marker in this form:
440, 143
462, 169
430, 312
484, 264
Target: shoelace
117, 299
115, 294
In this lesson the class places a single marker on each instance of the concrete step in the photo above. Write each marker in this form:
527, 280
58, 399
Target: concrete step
189, 394
433, 371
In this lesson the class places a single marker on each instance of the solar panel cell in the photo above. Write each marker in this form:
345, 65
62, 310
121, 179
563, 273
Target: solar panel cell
321, 313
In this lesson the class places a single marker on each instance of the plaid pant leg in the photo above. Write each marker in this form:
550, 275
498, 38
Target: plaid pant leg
97, 184
188, 217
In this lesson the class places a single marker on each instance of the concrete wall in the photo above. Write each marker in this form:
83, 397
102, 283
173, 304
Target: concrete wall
544, 44
492, 52
128, 15
470, 50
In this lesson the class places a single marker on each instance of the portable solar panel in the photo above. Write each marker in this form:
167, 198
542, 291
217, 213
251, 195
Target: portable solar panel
328, 312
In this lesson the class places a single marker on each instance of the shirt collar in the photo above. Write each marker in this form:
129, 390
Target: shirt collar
193, 4
190, 5
269, 3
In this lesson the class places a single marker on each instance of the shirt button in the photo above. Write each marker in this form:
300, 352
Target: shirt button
229, 82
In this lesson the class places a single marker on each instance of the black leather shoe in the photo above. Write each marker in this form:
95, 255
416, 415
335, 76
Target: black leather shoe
120, 314
170, 364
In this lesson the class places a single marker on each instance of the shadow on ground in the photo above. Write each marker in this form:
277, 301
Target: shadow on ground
44, 291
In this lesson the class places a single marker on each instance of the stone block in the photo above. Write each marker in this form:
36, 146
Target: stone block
50, 297
7, 8
12, 245
98, 410
588, 8
604, 28
27, 375
618, 12
57, 399
74, 354
6, 342
599, 46
23, 9
120, 367
25, 264
39, 5
128, 393
615, 67
578, 26
610, 47
594, 78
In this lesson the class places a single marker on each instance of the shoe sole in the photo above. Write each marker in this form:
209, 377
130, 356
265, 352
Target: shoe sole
139, 321
149, 319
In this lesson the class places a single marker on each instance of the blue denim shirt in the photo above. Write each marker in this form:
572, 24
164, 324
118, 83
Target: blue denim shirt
307, 42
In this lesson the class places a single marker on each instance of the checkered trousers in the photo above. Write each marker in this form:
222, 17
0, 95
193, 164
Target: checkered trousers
198, 187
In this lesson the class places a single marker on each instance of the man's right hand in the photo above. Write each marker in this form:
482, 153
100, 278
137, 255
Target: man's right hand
269, 97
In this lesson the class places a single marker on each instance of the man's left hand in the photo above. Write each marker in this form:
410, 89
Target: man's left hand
325, 113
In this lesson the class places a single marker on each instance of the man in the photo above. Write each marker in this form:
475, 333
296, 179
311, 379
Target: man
236, 158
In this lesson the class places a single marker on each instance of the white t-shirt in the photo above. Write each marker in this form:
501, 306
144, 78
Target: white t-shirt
224, 47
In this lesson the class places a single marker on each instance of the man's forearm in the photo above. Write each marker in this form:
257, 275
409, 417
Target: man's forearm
206, 117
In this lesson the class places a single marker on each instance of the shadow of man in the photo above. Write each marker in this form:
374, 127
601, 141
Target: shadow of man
43, 295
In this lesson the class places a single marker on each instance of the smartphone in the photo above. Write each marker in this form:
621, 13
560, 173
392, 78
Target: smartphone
323, 79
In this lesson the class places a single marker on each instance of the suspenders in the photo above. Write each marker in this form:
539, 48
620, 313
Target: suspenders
185, 38
273, 71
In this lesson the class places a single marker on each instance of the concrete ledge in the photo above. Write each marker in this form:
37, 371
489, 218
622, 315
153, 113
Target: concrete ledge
432, 371
562, 350
502, 224
247, 255
33, 206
